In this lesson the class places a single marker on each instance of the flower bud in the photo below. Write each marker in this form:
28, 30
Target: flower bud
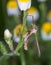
7, 34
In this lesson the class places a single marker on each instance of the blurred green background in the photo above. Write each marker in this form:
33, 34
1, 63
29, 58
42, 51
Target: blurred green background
31, 56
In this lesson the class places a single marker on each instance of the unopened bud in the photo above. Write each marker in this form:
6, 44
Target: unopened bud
7, 34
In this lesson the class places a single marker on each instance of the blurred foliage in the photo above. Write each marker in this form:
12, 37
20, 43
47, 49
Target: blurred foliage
31, 56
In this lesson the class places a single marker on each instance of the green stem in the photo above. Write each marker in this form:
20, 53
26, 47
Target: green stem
22, 58
19, 45
37, 44
24, 22
24, 30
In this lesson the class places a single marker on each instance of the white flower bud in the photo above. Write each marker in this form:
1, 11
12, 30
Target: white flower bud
7, 34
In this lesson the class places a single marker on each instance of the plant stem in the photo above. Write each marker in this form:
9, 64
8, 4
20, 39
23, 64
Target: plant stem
24, 22
22, 58
24, 30
38, 48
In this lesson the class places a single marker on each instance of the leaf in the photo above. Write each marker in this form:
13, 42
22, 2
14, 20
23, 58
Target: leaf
3, 48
